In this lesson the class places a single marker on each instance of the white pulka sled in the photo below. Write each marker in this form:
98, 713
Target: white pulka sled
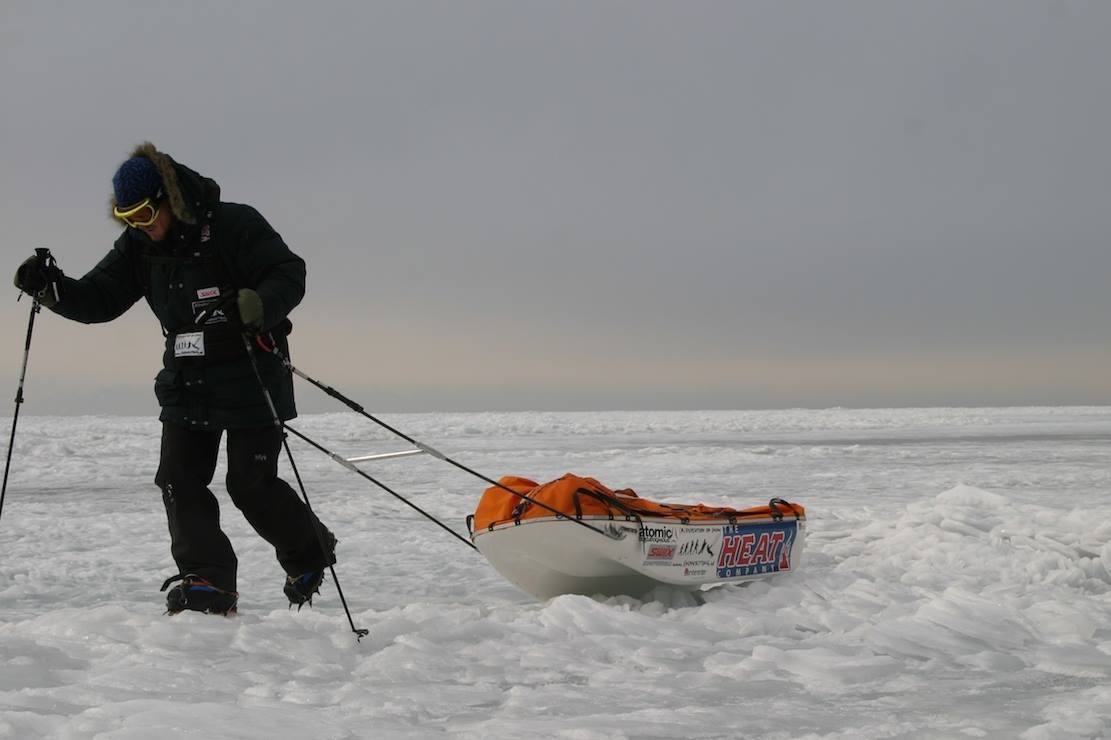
574, 535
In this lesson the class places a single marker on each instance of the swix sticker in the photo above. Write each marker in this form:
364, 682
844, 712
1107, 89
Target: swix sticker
659, 554
208, 293
754, 549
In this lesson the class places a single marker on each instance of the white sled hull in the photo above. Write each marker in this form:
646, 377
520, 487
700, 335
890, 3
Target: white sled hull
549, 557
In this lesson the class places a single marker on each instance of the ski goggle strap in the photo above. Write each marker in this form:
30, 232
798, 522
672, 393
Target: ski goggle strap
142, 214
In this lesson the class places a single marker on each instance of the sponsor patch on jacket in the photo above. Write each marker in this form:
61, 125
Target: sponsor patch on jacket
189, 344
208, 293
207, 313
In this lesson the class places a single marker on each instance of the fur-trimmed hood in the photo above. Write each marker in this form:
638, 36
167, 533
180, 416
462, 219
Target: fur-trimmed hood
187, 191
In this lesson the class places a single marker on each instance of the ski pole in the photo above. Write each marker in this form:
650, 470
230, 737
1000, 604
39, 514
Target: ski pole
35, 308
47, 267
359, 633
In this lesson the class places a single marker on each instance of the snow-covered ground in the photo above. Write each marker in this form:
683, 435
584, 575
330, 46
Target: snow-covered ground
956, 583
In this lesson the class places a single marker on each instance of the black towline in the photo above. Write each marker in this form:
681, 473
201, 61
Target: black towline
420, 446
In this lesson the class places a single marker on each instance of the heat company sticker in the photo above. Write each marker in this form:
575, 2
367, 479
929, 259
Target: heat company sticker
755, 549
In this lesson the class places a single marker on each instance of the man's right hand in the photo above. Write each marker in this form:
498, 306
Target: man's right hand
38, 276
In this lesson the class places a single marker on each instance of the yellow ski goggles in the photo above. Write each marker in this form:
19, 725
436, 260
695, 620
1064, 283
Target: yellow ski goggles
139, 216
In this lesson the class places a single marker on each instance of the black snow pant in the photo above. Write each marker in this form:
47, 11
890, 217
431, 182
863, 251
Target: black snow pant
197, 543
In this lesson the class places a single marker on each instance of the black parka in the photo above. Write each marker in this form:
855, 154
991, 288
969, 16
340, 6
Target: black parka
190, 280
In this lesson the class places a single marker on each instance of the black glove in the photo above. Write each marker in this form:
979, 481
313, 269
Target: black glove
40, 278
250, 309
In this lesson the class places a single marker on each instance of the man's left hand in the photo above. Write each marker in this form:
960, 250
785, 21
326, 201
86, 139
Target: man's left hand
250, 308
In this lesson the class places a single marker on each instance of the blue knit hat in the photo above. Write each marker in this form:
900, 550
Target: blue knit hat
137, 178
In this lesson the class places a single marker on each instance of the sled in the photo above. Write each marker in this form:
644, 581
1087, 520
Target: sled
574, 535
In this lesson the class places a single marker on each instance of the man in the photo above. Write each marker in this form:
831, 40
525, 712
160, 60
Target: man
213, 273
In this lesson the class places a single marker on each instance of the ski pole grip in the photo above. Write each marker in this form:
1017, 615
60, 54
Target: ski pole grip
46, 262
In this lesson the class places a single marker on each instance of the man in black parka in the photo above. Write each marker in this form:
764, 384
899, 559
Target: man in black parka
213, 273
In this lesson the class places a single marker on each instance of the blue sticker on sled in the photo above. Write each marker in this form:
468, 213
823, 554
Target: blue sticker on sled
755, 549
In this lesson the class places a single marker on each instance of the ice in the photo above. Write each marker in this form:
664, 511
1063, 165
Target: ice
956, 583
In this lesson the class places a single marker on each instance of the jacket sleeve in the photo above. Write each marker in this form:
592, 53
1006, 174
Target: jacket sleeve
105, 292
268, 266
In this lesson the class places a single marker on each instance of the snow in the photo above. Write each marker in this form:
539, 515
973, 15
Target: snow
956, 583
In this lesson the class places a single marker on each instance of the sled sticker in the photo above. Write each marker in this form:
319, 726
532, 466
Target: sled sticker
656, 533
204, 293
190, 344
659, 555
697, 547
748, 550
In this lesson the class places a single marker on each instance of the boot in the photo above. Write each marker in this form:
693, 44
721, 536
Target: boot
196, 594
301, 588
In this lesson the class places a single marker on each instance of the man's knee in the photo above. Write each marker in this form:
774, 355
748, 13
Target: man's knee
247, 488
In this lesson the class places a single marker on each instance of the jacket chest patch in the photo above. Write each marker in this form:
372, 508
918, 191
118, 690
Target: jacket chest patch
207, 309
208, 313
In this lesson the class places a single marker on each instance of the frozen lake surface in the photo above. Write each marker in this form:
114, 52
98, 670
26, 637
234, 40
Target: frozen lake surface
956, 583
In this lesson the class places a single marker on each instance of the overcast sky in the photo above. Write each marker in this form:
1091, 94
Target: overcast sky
596, 205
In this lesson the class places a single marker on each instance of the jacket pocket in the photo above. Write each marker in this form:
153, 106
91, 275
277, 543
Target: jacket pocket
167, 387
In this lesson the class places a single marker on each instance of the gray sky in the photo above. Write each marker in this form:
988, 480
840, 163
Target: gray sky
596, 205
